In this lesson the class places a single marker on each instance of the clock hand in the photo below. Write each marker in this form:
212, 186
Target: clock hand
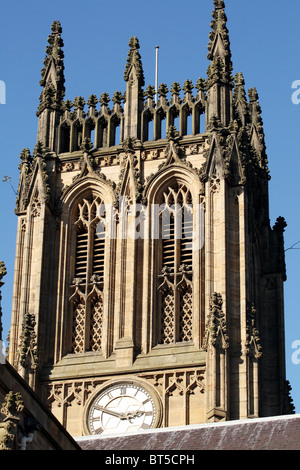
129, 415
138, 413
111, 412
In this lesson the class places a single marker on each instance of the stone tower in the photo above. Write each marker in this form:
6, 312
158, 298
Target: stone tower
148, 284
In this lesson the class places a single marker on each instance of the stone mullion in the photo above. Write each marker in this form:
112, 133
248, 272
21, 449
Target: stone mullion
89, 272
176, 309
197, 277
177, 276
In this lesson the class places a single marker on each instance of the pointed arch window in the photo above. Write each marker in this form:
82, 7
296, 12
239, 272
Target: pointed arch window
88, 283
175, 278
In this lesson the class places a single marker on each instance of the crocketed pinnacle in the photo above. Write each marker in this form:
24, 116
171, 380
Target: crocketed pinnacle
257, 123
53, 83
239, 99
219, 52
54, 52
134, 60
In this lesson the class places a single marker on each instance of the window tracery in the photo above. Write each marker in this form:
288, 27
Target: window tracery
176, 266
87, 286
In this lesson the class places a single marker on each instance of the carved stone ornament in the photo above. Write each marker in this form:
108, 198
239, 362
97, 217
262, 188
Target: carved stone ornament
69, 166
88, 166
214, 184
36, 207
11, 408
27, 357
252, 343
129, 174
216, 330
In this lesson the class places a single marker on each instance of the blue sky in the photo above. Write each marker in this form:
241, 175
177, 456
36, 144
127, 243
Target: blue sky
265, 45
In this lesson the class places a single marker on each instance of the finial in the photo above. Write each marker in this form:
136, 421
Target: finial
79, 102
280, 225
219, 45
134, 43
54, 49
175, 90
56, 27
134, 60
117, 97
149, 92
39, 149
25, 157
104, 99
92, 101
219, 4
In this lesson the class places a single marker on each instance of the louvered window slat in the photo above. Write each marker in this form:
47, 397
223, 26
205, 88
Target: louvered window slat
98, 255
81, 255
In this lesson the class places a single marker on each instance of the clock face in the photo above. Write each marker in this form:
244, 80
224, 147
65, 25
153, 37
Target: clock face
123, 407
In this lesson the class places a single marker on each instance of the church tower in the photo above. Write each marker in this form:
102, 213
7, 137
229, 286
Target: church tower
148, 286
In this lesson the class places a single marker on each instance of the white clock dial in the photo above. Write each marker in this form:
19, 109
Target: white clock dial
121, 408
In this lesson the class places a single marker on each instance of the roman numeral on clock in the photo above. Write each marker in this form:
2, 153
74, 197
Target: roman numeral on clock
99, 430
96, 418
145, 426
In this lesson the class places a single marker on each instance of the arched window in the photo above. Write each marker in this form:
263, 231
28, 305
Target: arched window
64, 137
175, 277
88, 283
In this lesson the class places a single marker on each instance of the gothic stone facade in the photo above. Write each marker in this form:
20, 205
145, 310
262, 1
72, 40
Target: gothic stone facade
196, 321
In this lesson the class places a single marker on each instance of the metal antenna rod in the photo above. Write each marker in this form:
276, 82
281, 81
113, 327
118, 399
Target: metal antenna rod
156, 74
